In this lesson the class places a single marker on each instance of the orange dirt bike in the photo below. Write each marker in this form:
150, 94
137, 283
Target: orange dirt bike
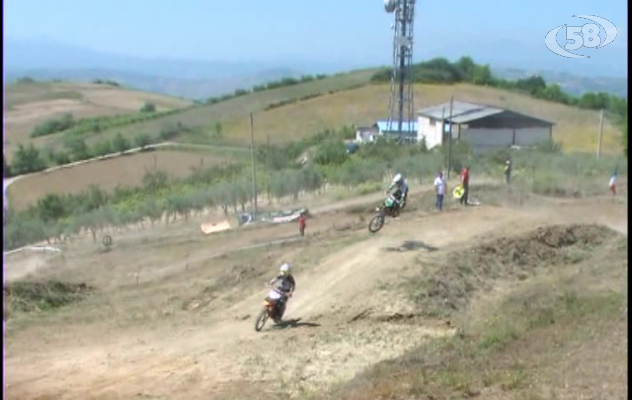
387, 209
271, 309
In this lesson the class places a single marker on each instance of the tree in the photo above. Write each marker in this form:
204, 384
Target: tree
594, 101
51, 208
78, 149
102, 148
142, 140
153, 181
95, 198
120, 143
148, 107
27, 159
221, 196
243, 193
331, 152
534, 85
152, 210
482, 75
467, 66
554, 93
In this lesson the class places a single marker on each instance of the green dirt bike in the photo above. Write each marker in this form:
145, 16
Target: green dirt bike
387, 209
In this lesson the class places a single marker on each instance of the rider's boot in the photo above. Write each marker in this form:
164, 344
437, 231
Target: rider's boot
280, 312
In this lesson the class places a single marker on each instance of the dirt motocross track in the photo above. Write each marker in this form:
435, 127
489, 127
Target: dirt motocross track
342, 318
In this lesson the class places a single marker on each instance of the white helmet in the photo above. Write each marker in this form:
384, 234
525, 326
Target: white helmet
397, 178
285, 269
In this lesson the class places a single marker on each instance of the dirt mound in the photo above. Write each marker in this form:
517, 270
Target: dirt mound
29, 297
450, 285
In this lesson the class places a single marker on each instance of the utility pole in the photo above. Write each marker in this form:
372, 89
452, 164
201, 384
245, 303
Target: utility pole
254, 171
450, 139
600, 140
443, 135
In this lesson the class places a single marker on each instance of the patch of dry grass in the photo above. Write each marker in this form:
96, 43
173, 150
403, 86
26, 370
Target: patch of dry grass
238, 108
127, 170
560, 335
448, 287
30, 104
576, 129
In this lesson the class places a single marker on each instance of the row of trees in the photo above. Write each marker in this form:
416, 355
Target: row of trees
283, 82
57, 216
440, 70
80, 127
29, 159
161, 198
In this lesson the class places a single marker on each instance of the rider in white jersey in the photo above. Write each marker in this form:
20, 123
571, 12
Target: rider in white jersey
401, 194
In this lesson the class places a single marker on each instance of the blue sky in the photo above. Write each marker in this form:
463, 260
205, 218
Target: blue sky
247, 29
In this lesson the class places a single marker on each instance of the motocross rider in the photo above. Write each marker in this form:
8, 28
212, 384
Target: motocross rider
285, 284
401, 194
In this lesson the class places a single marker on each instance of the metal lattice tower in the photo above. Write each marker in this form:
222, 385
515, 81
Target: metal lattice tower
402, 108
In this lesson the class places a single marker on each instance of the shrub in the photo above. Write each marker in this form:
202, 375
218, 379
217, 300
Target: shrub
148, 107
53, 126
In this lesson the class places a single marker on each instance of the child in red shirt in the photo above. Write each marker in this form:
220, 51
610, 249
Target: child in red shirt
301, 224
465, 181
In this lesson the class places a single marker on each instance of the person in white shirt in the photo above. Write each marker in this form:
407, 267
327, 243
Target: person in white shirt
440, 188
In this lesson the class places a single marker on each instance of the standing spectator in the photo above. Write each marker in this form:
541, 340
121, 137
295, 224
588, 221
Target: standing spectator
301, 224
612, 185
465, 182
508, 171
440, 189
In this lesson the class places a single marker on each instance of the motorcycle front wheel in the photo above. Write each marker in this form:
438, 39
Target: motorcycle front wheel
376, 223
261, 320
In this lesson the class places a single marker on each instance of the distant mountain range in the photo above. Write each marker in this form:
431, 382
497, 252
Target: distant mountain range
173, 86
195, 79
47, 60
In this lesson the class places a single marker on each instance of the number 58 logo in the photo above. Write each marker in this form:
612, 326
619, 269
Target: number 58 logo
582, 36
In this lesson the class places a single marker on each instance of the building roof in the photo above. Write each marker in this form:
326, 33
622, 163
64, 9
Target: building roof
408, 127
463, 112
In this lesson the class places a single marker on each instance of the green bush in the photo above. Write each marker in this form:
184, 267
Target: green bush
120, 143
331, 152
27, 159
148, 107
54, 126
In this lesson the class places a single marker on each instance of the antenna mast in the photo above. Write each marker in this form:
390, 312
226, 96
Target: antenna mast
402, 108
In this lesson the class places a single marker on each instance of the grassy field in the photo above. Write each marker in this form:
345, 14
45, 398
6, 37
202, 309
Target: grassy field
126, 171
205, 117
576, 129
344, 99
28, 104
339, 102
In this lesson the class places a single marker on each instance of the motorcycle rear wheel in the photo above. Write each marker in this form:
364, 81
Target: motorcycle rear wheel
377, 223
261, 320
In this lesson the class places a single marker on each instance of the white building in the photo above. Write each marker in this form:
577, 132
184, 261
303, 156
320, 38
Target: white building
482, 127
383, 128
366, 134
